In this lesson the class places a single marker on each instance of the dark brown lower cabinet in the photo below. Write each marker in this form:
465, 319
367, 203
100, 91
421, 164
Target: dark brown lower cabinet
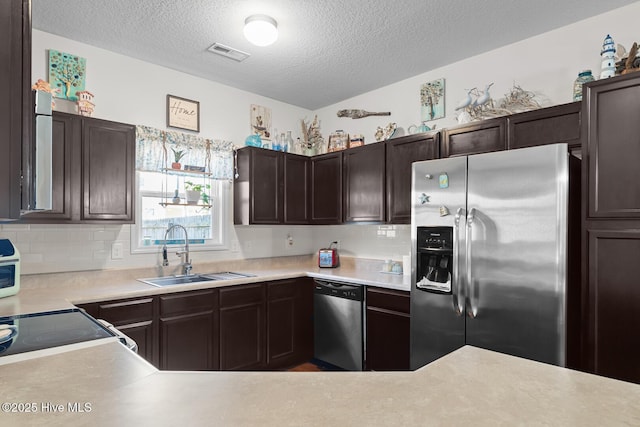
136, 318
262, 326
289, 322
613, 290
243, 328
388, 346
189, 331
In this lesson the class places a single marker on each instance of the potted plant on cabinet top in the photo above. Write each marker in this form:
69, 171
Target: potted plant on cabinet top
177, 155
195, 192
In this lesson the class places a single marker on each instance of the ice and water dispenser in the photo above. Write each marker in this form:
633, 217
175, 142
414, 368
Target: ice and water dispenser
434, 259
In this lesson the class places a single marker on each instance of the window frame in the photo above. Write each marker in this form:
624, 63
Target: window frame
219, 211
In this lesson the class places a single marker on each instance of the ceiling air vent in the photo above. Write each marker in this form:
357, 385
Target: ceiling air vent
229, 52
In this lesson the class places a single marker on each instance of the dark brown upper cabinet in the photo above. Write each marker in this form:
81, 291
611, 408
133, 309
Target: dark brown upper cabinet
108, 167
560, 123
612, 147
258, 189
401, 153
272, 187
296, 189
364, 183
15, 105
473, 138
326, 189
93, 172
65, 131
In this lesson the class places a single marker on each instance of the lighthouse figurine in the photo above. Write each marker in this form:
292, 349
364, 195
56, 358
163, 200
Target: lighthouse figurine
608, 62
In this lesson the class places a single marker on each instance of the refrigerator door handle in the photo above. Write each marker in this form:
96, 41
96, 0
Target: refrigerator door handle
458, 281
471, 311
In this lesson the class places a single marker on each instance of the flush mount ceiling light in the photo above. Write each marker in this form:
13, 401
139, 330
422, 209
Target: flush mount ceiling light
261, 30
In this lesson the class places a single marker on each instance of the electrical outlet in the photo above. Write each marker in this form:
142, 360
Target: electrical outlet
234, 246
337, 244
116, 250
289, 240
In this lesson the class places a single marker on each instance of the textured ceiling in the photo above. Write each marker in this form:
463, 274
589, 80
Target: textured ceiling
327, 51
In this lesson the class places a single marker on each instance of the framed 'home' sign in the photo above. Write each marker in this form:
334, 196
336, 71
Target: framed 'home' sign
183, 113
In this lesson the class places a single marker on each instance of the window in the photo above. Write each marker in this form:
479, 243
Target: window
161, 200
155, 212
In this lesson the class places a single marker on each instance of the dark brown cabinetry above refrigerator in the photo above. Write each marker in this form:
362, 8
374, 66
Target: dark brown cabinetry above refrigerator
401, 152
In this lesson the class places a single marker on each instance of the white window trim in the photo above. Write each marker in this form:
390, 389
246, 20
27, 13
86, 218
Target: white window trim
222, 244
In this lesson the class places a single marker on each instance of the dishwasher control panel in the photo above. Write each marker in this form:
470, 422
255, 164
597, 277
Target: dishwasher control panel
352, 292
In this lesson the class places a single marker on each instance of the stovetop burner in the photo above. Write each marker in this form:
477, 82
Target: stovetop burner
49, 329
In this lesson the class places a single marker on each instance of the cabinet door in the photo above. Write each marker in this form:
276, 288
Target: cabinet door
289, 323
296, 189
401, 152
108, 162
480, 137
15, 117
613, 147
614, 303
135, 318
242, 328
266, 174
65, 166
326, 189
189, 331
551, 125
388, 330
364, 183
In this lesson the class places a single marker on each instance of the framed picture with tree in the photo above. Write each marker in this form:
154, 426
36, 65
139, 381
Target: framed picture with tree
67, 73
432, 100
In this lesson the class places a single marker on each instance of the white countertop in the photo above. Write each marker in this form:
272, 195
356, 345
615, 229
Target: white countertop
114, 386
45, 292
468, 387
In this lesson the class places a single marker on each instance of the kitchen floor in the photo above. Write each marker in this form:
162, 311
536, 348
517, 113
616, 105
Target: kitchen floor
314, 366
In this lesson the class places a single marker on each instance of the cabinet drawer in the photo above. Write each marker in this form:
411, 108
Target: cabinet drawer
389, 299
188, 302
126, 311
286, 288
241, 295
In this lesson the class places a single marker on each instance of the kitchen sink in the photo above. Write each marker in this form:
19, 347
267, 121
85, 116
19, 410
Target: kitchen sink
194, 278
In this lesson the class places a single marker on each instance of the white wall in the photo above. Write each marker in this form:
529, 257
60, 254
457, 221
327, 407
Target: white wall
133, 91
546, 64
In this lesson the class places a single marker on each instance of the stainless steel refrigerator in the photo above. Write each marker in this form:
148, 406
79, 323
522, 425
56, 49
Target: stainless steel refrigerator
489, 250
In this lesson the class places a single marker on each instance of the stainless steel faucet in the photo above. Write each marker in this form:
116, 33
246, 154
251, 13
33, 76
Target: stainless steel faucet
186, 262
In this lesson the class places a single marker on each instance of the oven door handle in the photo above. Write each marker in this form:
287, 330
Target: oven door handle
457, 281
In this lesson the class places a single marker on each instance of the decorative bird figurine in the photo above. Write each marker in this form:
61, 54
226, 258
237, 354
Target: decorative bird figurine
465, 102
485, 97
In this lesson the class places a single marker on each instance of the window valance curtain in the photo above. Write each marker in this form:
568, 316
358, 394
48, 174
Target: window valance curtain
154, 151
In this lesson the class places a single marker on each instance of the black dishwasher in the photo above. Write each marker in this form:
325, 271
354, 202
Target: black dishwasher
338, 324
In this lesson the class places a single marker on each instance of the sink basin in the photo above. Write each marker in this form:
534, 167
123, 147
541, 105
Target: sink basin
227, 275
193, 278
175, 280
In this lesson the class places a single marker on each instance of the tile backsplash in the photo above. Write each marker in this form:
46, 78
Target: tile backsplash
79, 247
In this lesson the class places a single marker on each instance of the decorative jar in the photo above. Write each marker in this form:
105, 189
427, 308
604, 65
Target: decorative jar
583, 77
